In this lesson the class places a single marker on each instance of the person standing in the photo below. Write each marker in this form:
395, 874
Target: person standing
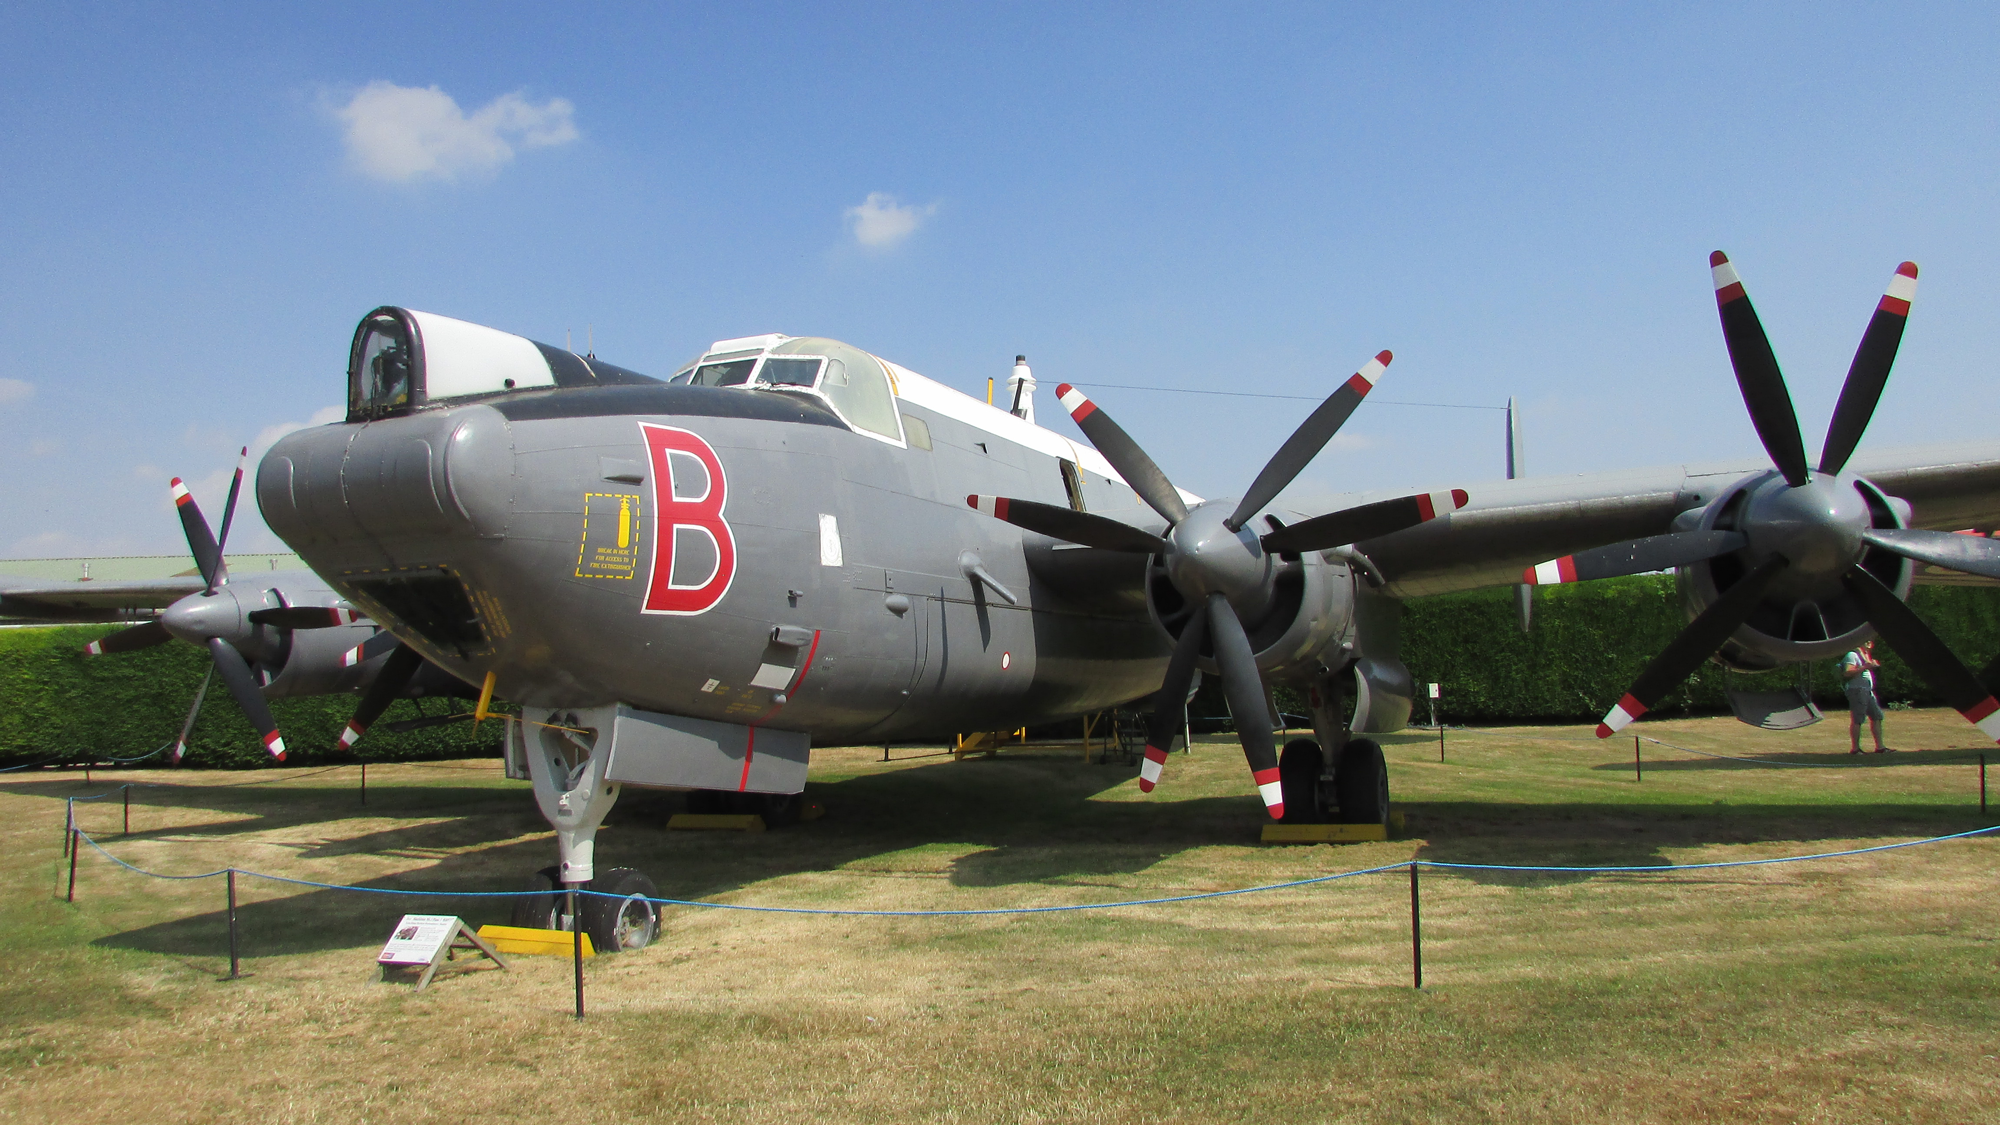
1857, 668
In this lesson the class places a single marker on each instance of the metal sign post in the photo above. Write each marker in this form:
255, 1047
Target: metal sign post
576, 945
1436, 691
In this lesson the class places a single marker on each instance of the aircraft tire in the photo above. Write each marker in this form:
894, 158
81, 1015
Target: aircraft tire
1362, 784
1299, 767
542, 911
781, 809
618, 925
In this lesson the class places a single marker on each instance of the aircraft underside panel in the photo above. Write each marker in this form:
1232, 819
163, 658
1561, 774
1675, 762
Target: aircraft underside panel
674, 752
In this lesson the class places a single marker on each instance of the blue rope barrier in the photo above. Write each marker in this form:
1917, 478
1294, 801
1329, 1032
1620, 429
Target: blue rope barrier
1397, 866
71, 759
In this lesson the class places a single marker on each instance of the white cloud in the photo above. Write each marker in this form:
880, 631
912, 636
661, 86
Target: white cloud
212, 489
881, 222
15, 390
404, 133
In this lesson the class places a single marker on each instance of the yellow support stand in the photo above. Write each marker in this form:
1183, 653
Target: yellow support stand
1330, 833
521, 939
985, 742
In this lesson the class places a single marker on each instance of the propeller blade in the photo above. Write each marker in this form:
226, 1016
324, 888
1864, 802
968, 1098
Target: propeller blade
1757, 374
207, 556
1368, 521
1244, 689
1636, 556
388, 686
242, 687
1904, 631
406, 725
308, 616
1973, 554
127, 640
228, 515
1870, 371
1695, 644
369, 649
1170, 702
181, 744
1066, 523
1306, 441
1124, 454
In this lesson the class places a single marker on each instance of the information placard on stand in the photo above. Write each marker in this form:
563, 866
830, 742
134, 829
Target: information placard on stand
427, 941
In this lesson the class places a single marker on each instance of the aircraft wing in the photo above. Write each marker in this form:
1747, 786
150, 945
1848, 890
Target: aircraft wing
94, 600
1513, 524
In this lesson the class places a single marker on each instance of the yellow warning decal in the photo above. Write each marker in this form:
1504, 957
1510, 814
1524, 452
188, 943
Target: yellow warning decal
610, 547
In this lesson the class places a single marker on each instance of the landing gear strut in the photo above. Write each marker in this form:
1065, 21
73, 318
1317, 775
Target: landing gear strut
566, 766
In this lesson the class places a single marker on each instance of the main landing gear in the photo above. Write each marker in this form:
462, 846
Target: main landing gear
1356, 792
1348, 786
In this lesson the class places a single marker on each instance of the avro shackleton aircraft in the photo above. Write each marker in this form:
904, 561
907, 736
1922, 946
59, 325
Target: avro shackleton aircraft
687, 583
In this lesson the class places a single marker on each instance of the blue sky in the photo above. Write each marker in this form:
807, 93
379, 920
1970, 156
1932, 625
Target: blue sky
198, 203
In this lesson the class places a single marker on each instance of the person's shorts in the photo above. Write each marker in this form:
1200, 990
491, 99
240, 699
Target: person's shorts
1863, 705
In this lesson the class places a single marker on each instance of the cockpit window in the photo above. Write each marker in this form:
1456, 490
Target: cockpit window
787, 371
380, 380
735, 373
854, 382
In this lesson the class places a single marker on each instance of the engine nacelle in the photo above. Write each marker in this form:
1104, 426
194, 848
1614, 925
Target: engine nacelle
1308, 606
1806, 614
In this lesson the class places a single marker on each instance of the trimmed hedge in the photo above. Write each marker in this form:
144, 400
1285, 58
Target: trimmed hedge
1590, 641
55, 702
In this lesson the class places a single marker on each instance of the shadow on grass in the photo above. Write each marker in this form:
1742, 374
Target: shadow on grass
1008, 821
1579, 835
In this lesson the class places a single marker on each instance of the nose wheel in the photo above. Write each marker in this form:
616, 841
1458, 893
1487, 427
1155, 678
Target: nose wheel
618, 917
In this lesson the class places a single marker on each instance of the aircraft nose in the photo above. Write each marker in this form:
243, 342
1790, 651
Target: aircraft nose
198, 617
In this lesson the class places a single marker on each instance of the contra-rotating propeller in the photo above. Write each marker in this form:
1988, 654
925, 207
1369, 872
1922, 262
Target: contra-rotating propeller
1222, 570
209, 619
1807, 548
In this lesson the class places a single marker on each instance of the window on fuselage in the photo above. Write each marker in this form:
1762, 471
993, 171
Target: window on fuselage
1072, 484
734, 373
790, 371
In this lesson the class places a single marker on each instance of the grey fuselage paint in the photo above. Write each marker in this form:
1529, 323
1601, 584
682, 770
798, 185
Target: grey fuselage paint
494, 495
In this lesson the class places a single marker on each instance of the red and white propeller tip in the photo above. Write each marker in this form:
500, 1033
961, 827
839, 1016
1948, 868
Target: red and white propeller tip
1728, 286
995, 506
1902, 290
1271, 791
275, 743
1620, 716
1073, 400
352, 734
1986, 716
1551, 573
182, 497
1363, 381
1149, 770
1431, 505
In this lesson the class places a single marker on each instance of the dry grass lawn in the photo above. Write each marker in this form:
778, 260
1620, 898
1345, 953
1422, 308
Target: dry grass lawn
1861, 989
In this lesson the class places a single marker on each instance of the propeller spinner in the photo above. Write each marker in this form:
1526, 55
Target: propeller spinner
1222, 569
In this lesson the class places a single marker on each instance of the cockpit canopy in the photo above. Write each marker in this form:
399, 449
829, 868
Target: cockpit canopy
854, 383
402, 359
